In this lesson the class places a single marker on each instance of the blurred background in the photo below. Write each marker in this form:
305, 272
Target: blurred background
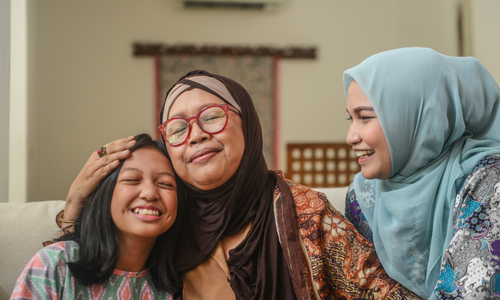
69, 81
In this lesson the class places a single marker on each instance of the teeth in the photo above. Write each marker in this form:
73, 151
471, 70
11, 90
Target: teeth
364, 153
147, 212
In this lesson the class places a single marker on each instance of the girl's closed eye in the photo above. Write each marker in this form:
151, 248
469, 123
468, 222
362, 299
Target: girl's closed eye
130, 180
166, 184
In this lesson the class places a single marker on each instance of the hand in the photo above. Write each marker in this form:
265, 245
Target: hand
93, 172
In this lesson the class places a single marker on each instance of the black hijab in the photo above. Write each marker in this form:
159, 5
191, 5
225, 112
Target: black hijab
258, 267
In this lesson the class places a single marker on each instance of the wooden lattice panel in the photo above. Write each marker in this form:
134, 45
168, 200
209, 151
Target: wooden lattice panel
321, 165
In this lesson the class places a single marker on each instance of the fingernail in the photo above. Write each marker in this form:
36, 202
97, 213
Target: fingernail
131, 143
125, 151
131, 137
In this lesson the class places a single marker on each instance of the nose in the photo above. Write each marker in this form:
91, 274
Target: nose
353, 136
197, 135
149, 192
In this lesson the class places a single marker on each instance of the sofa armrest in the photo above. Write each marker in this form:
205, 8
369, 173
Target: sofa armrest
23, 229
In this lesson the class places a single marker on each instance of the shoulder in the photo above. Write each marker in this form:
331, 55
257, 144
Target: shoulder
306, 200
480, 191
45, 274
350, 190
354, 214
351, 195
489, 165
475, 222
484, 179
51, 257
65, 251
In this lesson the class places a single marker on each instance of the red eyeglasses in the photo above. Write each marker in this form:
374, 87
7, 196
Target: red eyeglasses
211, 119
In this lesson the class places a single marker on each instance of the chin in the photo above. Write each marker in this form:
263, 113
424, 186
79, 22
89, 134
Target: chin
208, 182
207, 185
368, 175
372, 175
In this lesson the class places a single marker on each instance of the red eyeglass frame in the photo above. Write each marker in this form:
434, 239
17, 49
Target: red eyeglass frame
225, 107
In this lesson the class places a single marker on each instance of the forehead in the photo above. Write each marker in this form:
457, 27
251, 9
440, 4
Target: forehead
190, 102
144, 158
356, 97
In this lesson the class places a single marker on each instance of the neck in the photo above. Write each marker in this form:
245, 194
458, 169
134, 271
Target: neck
134, 253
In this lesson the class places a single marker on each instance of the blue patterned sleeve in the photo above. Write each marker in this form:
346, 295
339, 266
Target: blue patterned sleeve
355, 216
471, 264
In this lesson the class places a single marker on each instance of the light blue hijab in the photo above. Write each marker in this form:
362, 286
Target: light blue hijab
440, 116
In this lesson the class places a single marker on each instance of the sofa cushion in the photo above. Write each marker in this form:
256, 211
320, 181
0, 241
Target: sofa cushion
24, 227
336, 196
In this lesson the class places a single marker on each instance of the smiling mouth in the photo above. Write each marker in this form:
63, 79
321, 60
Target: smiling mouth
364, 153
203, 154
146, 212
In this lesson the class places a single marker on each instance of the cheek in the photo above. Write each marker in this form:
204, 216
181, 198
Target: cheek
375, 136
238, 142
119, 202
176, 155
115, 210
235, 154
383, 149
379, 138
171, 207
170, 201
173, 212
178, 165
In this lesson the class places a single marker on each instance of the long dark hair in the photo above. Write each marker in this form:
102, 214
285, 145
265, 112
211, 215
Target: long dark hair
97, 235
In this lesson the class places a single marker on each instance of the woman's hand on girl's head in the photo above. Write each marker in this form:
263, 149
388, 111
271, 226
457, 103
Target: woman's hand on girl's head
93, 172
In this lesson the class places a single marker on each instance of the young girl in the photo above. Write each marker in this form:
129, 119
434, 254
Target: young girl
123, 241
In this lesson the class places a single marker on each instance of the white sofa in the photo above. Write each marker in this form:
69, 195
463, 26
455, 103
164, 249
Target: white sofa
25, 226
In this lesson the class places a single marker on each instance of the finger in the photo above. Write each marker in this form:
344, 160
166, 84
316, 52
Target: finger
89, 178
96, 164
91, 182
99, 174
112, 157
120, 145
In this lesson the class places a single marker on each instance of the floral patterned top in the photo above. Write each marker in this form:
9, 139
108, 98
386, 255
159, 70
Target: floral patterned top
471, 263
328, 258
47, 276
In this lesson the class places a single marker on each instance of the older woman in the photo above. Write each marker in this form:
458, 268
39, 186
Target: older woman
248, 233
426, 128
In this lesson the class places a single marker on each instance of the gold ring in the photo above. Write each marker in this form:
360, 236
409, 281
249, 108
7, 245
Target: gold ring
101, 152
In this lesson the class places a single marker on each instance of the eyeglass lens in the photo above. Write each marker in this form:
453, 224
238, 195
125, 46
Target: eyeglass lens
211, 120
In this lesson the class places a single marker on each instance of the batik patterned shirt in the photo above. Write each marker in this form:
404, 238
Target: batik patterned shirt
471, 264
328, 258
47, 276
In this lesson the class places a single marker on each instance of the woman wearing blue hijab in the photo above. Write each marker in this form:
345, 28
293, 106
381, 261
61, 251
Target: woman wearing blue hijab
426, 128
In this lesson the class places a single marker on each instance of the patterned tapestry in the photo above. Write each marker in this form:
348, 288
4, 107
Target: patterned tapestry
256, 74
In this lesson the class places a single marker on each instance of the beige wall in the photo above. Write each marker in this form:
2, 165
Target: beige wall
485, 30
86, 88
5, 28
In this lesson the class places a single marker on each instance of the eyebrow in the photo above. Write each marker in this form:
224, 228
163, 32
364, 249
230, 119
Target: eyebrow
140, 171
361, 108
167, 173
131, 169
182, 114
